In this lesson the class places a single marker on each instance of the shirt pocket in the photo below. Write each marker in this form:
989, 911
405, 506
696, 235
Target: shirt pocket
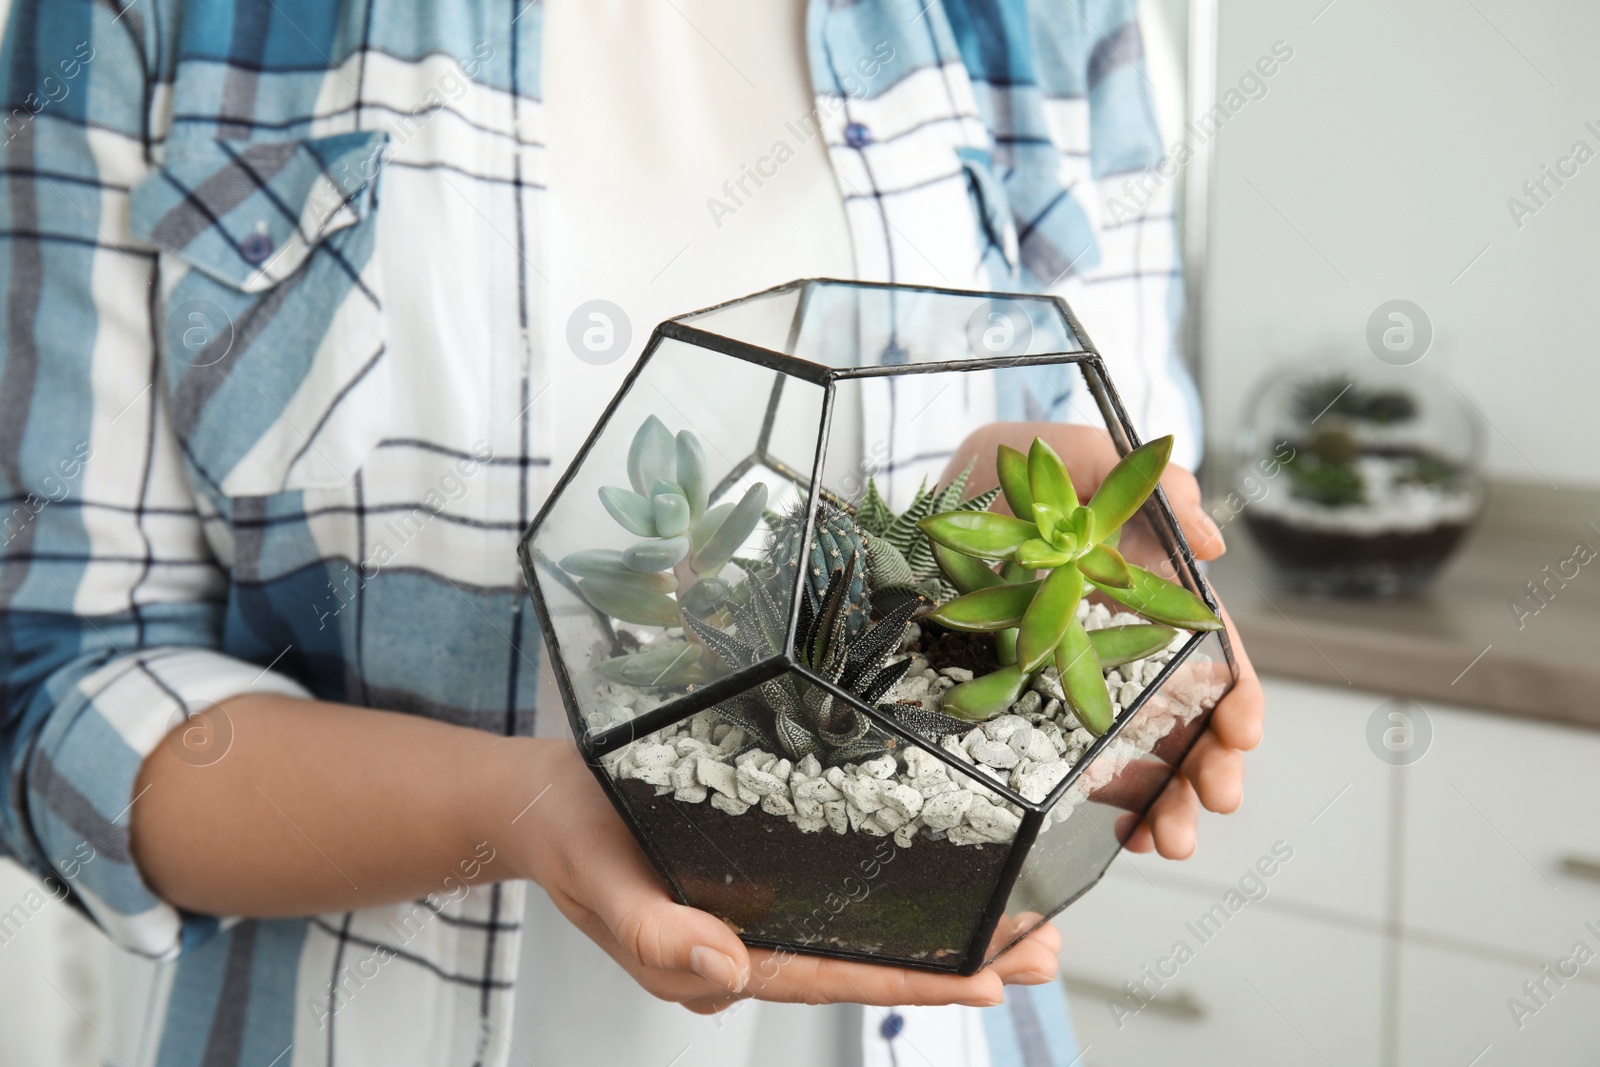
271, 319
991, 211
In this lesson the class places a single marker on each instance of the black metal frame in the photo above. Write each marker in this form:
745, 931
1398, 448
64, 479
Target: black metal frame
1157, 511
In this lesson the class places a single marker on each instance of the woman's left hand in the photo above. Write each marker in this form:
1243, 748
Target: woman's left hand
1213, 772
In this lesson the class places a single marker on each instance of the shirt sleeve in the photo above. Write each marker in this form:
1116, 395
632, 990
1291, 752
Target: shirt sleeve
1124, 274
1132, 298
111, 599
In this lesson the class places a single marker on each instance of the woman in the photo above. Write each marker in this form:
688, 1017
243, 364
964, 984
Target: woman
287, 371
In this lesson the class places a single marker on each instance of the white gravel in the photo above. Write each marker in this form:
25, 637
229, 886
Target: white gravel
909, 793
1389, 505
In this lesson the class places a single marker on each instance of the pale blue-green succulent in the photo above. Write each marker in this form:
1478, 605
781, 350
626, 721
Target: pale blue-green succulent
674, 567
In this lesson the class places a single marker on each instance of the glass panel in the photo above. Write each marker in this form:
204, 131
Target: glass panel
1147, 541
788, 443
888, 853
768, 320
1104, 804
845, 325
615, 577
903, 430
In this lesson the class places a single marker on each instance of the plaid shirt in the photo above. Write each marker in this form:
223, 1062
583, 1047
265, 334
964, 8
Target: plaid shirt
273, 353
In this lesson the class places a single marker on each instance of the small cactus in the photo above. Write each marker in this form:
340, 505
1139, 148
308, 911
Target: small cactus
836, 544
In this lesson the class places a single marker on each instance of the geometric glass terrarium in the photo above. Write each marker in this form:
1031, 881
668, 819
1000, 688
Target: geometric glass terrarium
736, 594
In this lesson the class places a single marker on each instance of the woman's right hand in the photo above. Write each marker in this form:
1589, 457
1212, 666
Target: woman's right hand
382, 803
574, 845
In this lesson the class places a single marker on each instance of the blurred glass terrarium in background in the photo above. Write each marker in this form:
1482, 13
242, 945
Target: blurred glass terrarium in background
1361, 480
849, 708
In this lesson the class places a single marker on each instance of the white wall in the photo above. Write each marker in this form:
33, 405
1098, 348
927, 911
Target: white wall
1391, 142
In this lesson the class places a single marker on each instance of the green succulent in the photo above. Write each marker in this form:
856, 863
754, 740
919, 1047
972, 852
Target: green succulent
1429, 468
1387, 407
1035, 619
1341, 397
797, 717
675, 565
1319, 396
901, 554
1331, 482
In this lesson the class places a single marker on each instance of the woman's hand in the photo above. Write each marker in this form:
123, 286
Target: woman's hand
574, 845
1213, 773
382, 804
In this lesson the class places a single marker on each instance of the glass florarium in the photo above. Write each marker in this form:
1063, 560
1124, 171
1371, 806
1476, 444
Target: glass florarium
1363, 478
845, 702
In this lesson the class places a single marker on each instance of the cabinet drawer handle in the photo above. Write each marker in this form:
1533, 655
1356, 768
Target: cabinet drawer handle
1576, 866
1181, 1006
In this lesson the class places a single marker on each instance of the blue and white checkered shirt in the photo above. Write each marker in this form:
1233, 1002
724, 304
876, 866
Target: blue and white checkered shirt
272, 415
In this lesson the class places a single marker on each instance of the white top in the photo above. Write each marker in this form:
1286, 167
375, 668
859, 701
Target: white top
661, 118
656, 114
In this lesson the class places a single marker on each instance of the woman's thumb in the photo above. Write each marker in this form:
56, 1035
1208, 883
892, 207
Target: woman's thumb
667, 936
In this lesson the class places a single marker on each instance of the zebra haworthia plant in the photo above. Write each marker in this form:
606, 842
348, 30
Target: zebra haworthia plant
902, 556
1035, 619
674, 567
798, 717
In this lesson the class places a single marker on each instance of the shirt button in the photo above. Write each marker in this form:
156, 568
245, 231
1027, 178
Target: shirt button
857, 136
255, 247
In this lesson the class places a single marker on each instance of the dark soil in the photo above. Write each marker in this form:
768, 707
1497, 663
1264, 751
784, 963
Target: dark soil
821, 891
952, 648
1342, 564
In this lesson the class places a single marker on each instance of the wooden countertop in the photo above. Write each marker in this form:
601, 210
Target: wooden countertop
1460, 641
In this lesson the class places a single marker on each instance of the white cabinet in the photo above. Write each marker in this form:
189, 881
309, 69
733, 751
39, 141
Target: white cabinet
1454, 1012
1497, 814
1418, 901
1315, 784
1256, 988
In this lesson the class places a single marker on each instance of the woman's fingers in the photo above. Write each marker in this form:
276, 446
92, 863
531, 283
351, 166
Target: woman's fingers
1183, 493
710, 1005
1174, 818
1036, 955
1239, 718
814, 980
1213, 772
1141, 840
674, 985
1237, 722
1217, 773
597, 876
657, 932
600, 881
793, 978
1170, 827
783, 976
1046, 933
